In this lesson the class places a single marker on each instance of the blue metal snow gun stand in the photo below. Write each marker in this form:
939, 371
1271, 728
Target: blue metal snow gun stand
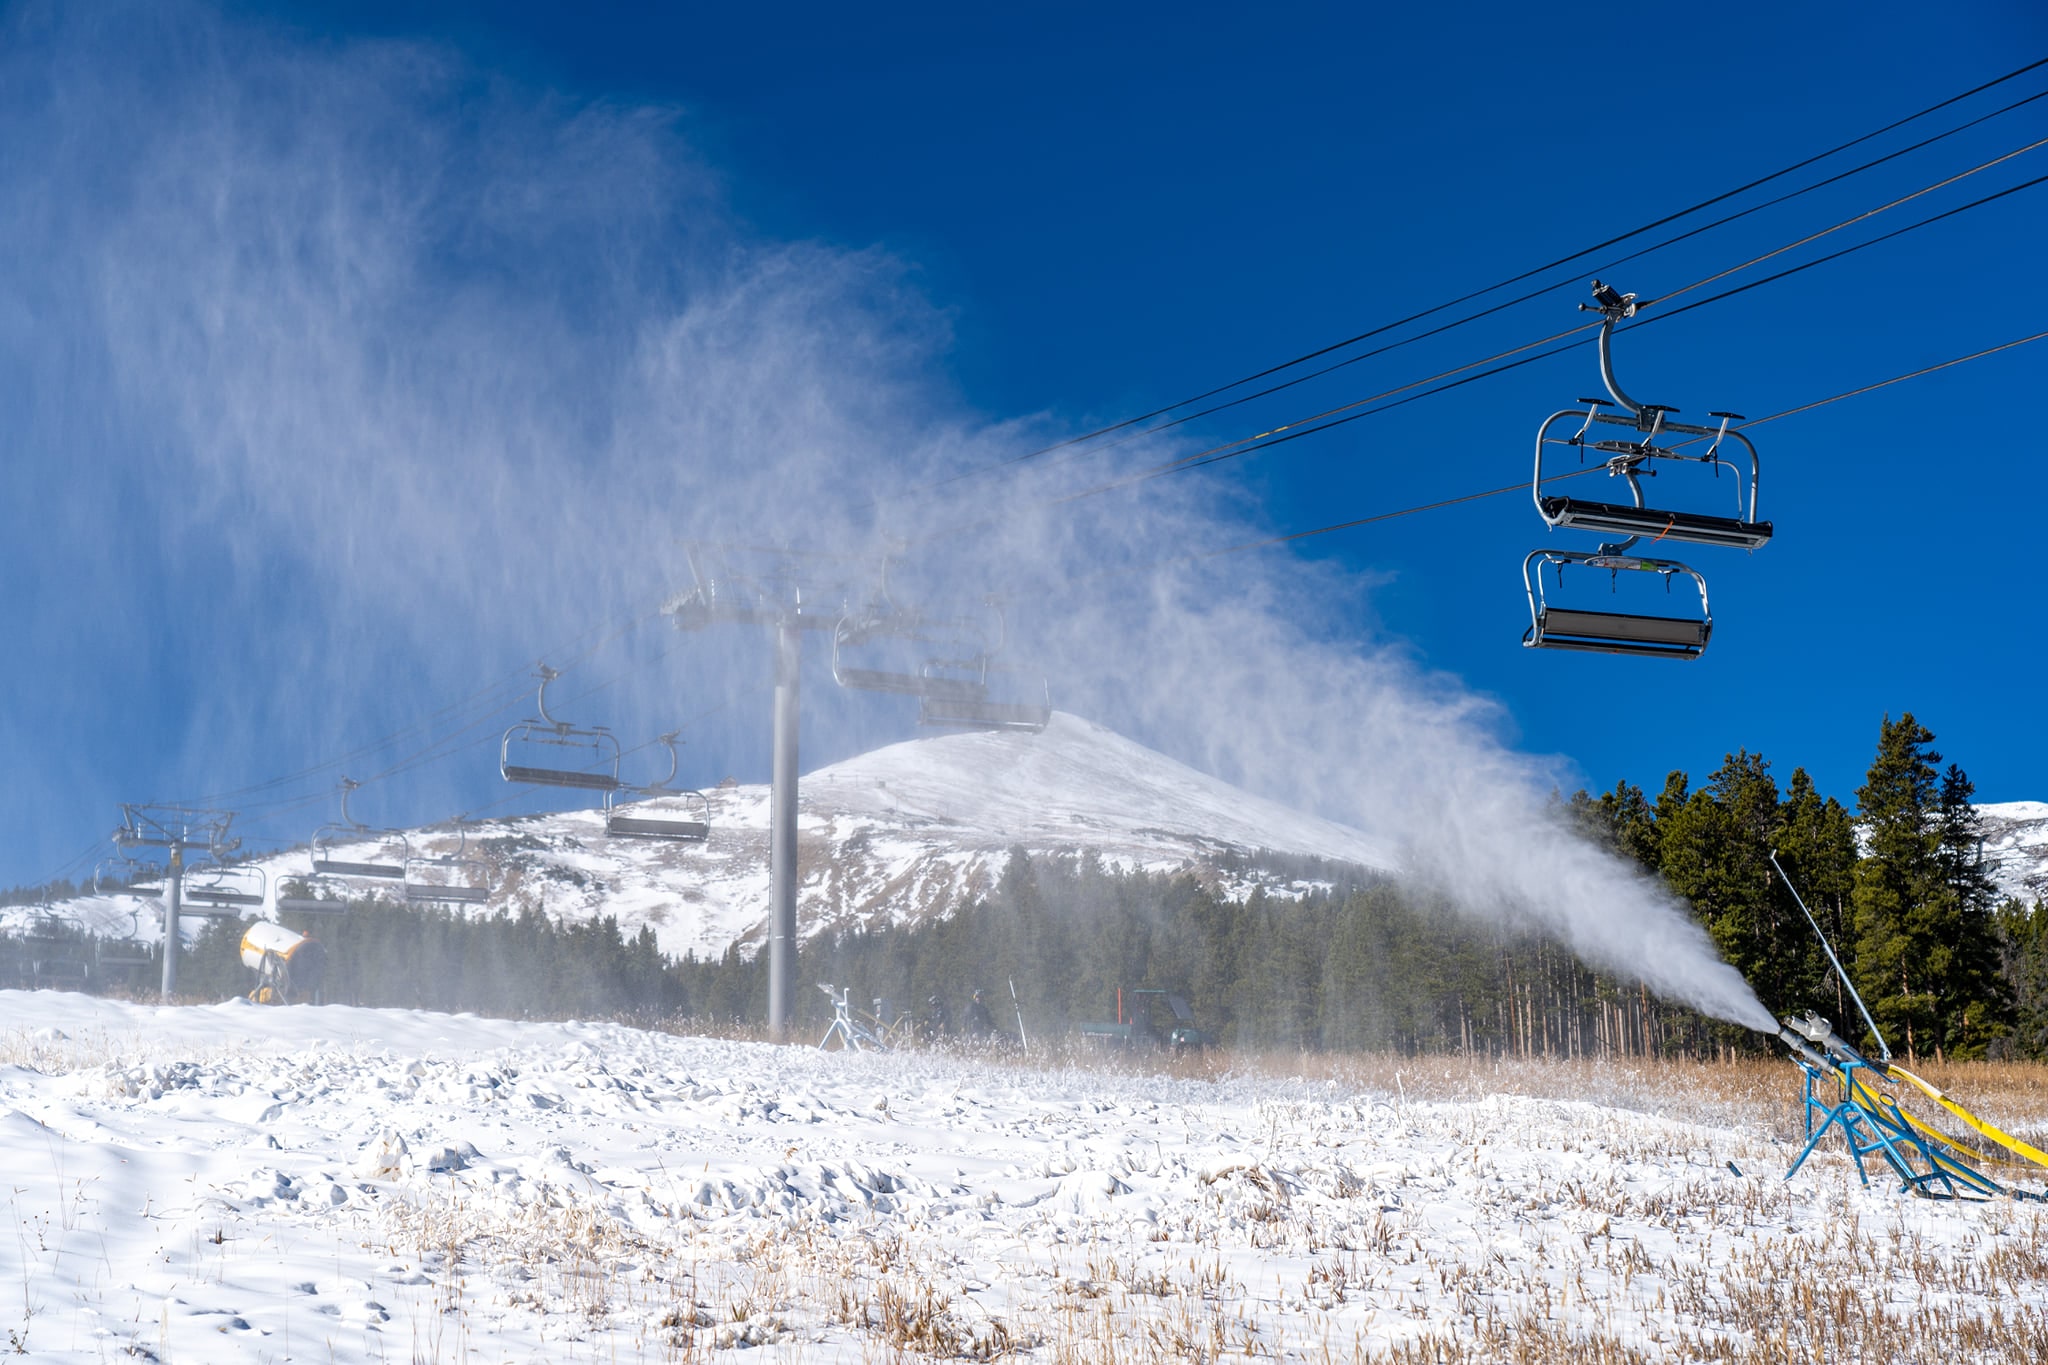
1871, 1121
1926, 1162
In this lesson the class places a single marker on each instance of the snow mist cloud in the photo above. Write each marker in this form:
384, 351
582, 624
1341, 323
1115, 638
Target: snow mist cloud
366, 377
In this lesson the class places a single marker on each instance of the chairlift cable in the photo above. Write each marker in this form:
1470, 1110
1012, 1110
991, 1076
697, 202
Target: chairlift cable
1533, 294
1523, 484
1342, 414
625, 625
1524, 275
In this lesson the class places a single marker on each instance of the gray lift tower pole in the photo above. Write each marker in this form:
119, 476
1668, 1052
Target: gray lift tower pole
175, 829
789, 646
791, 593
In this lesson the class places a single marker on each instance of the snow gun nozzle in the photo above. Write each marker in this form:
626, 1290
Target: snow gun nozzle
1820, 1033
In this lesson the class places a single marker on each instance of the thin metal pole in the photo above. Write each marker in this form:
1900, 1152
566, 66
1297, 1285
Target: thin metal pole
782, 833
173, 899
1829, 949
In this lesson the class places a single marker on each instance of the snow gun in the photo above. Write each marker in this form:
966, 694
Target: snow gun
1845, 1089
286, 962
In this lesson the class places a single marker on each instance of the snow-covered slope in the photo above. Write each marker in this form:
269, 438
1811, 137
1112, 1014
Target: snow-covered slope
899, 833
235, 1184
2016, 844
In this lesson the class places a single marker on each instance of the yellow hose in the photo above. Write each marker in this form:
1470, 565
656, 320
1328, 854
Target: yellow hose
2005, 1140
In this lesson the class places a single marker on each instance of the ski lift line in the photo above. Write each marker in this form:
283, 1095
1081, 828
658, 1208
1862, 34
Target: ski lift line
1206, 456
625, 624
1517, 279
1519, 299
1339, 416
1851, 222
1522, 486
1845, 251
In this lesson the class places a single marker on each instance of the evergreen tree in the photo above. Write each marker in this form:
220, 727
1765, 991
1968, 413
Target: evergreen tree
2023, 952
1975, 1003
1926, 944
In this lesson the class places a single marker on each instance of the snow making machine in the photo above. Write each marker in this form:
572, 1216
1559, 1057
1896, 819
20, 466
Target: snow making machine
1650, 442
289, 965
1850, 1092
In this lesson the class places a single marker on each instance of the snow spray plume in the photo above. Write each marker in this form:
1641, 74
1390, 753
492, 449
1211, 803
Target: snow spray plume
405, 374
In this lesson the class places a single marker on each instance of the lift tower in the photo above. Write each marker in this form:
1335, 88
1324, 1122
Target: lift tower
174, 829
789, 592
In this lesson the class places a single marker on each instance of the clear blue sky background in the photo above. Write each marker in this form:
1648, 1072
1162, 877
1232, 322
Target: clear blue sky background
1120, 205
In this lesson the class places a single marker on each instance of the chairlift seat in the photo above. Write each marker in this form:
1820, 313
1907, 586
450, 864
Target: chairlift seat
311, 905
973, 713
385, 871
648, 827
220, 895
1612, 632
417, 894
1654, 525
560, 777
880, 680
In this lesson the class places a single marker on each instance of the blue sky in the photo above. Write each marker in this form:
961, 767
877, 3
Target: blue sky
1096, 210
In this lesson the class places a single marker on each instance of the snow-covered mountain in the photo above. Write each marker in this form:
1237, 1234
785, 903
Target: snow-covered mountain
2016, 845
898, 833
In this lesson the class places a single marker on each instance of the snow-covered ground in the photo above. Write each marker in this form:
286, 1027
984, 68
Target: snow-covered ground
896, 834
232, 1183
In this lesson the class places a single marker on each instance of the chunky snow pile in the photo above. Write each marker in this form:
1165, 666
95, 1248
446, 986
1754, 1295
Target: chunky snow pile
2016, 845
231, 1183
899, 833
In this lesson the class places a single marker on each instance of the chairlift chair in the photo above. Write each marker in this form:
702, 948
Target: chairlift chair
353, 831
868, 679
312, 896
1613, 632
687, 830
958, 697
453, 879
127, 877
1636, 457
227, 888
544, 752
